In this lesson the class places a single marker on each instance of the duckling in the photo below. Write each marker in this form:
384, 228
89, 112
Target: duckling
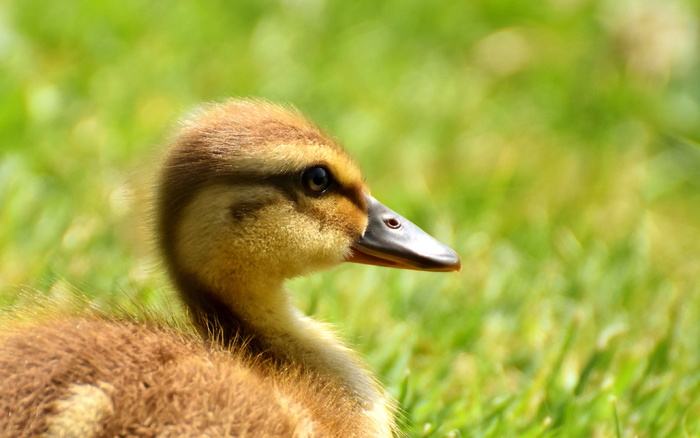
251, 194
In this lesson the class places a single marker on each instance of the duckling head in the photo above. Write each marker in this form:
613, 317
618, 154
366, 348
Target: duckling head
253, 193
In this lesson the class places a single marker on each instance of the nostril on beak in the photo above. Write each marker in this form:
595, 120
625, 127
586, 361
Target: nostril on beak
392, 223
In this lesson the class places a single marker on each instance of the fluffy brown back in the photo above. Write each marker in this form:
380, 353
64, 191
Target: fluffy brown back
108, 379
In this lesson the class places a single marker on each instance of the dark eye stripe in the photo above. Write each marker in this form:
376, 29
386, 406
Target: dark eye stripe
355, 195
288, 184
248, 209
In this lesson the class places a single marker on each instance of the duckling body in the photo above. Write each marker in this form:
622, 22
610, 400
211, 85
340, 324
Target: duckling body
251, 194
106, 378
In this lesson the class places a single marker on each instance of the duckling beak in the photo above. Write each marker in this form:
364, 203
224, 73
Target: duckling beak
392, 240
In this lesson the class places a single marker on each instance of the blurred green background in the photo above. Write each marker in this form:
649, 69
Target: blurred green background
553, 144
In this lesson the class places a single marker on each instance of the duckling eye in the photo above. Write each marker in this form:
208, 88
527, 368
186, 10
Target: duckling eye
316, 179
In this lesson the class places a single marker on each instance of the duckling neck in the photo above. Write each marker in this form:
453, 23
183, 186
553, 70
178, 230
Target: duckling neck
261, 318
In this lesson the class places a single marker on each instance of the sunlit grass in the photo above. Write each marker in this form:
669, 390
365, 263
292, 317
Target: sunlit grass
553, 144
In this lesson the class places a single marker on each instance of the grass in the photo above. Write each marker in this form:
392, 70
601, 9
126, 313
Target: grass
554, 145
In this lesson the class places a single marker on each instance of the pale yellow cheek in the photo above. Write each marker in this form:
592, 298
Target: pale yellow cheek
281, 240
303, 244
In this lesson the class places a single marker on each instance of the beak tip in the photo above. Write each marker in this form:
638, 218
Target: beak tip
454, 263
457, 265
